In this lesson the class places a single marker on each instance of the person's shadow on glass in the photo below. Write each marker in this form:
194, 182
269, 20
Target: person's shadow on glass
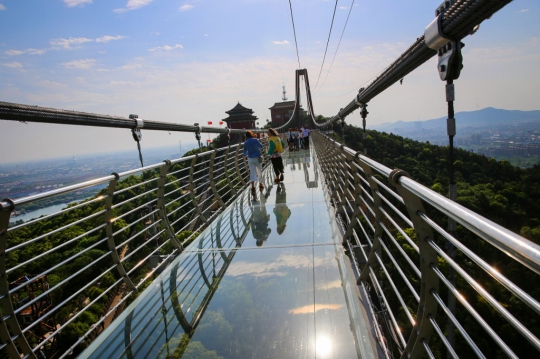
281, 211
260, 220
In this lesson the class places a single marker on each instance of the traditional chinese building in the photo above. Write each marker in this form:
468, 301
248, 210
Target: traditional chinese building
240, 117
281, 112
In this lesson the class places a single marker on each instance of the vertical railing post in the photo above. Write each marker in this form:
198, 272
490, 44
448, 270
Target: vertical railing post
110, 233
237, 166
213, 184
357, 192
10, 331
192, 193
427, 307
166, 225
226, 169
375, 207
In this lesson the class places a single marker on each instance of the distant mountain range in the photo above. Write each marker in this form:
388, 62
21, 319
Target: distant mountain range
486, 117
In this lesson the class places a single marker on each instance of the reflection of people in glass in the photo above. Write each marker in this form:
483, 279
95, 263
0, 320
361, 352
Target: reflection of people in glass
281, 210
259, 222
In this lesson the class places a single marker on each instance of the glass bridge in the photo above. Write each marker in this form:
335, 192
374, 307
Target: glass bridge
347, 258
267, 279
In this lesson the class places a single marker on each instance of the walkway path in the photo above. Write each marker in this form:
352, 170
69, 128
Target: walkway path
268, 279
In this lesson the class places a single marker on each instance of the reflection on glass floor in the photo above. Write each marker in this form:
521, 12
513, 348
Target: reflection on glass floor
268, 279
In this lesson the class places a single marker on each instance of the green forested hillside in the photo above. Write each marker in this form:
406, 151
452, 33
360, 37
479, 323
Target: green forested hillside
505, 194
508, 195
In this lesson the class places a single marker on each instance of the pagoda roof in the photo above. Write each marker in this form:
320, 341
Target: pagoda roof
239, 108
283, 104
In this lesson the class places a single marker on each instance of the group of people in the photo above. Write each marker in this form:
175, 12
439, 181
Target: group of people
252, 152
298, 138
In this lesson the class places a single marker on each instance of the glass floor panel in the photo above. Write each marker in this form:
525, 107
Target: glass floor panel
243, 303
267, 279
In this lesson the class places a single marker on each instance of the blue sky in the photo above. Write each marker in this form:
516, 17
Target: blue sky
190, 61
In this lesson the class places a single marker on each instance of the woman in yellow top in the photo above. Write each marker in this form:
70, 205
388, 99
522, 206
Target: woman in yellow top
275, 149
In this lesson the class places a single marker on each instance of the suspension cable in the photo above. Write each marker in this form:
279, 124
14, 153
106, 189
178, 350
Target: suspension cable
327, 42
339, 43
294, 31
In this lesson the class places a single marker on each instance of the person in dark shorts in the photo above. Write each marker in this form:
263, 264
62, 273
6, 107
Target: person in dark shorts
275, 149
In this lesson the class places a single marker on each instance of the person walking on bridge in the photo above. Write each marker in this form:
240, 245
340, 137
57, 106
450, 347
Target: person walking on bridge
275, 149
252, 152
305, 135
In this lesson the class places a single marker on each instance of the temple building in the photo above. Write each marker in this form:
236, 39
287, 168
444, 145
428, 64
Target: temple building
281, 112
240, 117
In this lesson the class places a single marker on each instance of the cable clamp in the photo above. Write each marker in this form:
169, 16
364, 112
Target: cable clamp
136, 131
433, 36
357, 98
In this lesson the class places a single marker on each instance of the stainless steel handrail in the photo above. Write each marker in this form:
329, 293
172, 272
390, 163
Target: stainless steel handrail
366, 213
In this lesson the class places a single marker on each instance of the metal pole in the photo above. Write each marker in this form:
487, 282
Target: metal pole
452, 194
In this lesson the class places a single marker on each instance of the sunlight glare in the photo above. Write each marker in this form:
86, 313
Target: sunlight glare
323, 346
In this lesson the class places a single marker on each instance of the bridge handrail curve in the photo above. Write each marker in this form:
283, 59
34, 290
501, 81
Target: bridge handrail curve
132, 219
371, 233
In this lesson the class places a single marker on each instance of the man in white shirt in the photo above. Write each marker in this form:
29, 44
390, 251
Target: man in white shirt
305, 133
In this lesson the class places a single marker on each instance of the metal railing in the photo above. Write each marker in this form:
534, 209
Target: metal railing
393, 228
66, 275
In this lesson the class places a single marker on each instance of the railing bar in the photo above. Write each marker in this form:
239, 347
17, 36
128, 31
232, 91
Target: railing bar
458, 325
139, 263
375, 281
60, 305
140, 184
176, 190
25, 200
184, 216
54, 249
149, 274
136, 234
11, 291
397, 211
517, 291
133, 210
524, 251
367, 221
488, 297
396, 292
134, 222
65, 210
445, 341
400, 249
428, 349
11, 249
389, 190
141, 169
133, 198
474, 313
71, 319
398, 267
396, 226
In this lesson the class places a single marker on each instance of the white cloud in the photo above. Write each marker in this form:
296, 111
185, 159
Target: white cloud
29, 51
72, 3
185, 7
524, 10
343, 7
131, 67
79, 64
67, 43
166, 48
14, 65
14, 52
122, 83
2, 7
133, 5
36, 51
284, 42
206, 35
108, 38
